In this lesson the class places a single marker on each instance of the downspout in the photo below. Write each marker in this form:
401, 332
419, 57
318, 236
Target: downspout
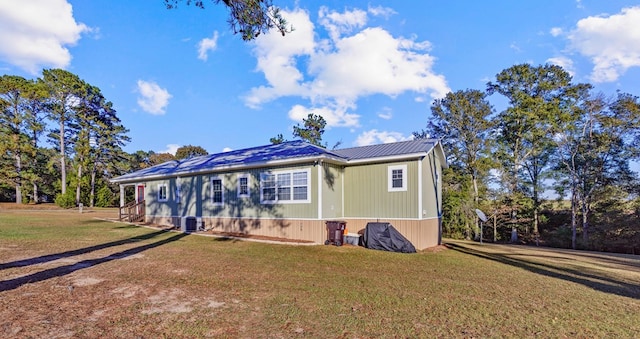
344, 170
420, 207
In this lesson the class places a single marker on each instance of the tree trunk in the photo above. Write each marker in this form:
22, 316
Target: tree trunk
63, 163
574, 213
93, 187
536, 208
495, 227
36, 199
477, 230
585, 222
78, 185
18, 179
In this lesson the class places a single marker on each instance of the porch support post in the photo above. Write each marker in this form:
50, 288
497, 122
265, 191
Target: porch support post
121, 195
319, 195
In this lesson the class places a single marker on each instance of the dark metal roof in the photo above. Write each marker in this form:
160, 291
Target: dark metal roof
388, 150
289, 151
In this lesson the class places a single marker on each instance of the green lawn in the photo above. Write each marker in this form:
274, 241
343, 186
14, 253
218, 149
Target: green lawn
65, 274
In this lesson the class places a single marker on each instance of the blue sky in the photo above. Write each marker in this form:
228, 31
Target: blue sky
370, 68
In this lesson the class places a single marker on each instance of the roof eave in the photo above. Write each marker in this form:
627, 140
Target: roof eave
281, 162
390, 158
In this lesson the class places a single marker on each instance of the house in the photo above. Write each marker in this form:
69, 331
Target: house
290, 190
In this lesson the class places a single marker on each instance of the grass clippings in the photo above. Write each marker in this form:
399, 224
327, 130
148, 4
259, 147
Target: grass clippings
69, 275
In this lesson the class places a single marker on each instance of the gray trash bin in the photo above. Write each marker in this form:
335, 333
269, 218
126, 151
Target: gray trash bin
335, 232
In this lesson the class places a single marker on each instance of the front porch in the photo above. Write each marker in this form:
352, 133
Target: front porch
133, 211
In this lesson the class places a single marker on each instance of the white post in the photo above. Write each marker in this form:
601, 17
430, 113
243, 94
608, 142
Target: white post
319, 195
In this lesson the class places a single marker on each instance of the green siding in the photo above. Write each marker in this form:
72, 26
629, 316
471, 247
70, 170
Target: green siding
366, 192
164, 208
432, 192
196, 197
429, 209
332, 191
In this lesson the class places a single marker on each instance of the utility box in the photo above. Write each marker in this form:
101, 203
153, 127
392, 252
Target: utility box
335, 232
188, 224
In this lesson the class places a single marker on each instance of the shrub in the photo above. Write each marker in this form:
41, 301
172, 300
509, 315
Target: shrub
67, 200
106, 198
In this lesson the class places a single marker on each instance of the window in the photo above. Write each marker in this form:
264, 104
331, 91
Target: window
217, 196
243, 187
300, 186
268, 191
285, 187
397, 179
162, 192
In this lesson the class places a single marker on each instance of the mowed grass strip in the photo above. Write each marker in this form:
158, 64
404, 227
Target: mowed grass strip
70, 275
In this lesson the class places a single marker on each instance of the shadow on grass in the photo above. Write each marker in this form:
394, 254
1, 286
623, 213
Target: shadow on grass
56, 256
11, 284
225, 239
602, 283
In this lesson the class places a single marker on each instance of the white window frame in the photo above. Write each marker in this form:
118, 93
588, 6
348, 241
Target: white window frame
240, 194
403, 169
221, 191
291, 185
166, 192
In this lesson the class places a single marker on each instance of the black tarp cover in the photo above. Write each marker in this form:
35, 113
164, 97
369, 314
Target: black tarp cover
383, 236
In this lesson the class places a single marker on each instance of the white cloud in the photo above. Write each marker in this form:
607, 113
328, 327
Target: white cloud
171, 148
611, 42
334, 116
338, 24
333, 74
207, 44
36, 33
555, 31
227, 149
564, 62
385, 12
276, 60
376, 137
153, 99
385, 113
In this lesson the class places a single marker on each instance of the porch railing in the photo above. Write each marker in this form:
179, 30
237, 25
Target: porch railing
132, 212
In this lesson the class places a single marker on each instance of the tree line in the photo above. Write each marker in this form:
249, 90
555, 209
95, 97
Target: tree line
555, 137
85, 138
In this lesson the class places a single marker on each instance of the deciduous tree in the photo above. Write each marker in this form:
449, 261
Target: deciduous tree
462, 120
536, 96
190, 151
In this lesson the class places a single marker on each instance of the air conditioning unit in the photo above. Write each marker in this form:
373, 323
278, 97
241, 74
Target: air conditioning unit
188, 224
